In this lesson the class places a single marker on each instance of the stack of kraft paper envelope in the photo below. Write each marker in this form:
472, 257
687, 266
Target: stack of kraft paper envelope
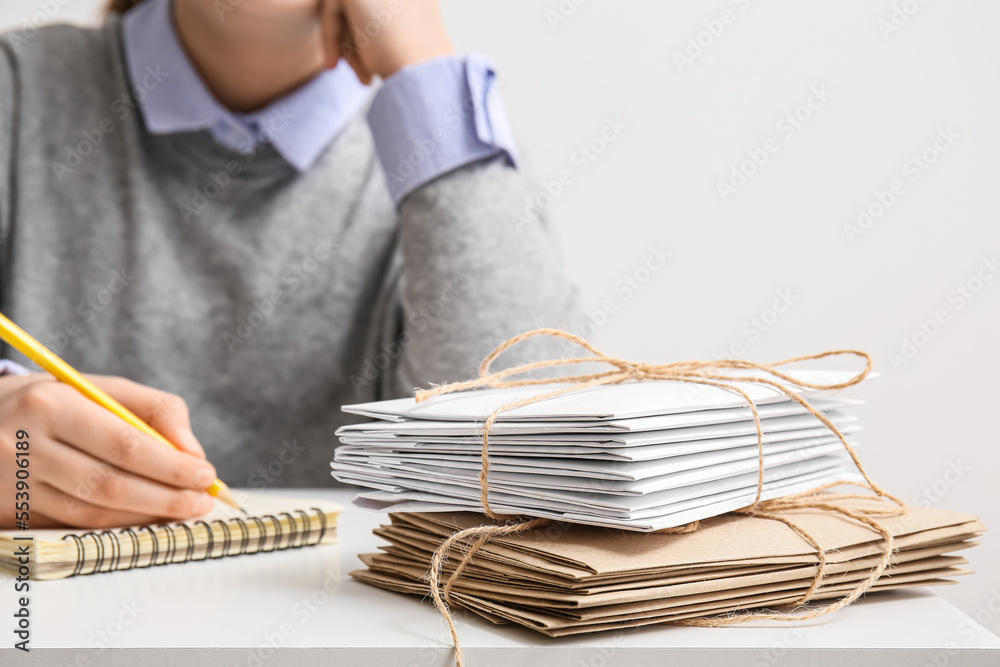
565, 579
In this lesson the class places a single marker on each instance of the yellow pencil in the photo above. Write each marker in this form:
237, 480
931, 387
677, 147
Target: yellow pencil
41, 355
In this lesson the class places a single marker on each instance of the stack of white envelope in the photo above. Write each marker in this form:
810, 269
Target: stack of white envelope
639, 455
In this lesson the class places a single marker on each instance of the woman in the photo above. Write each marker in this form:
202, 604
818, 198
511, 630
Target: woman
205, 197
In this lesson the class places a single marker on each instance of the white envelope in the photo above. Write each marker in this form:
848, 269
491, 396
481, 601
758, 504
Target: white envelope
620, 401
770, 427
579, 465
713, 499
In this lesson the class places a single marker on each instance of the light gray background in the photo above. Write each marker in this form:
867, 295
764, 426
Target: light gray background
931, 427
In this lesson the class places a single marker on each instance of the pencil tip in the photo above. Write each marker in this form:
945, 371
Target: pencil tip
226, 496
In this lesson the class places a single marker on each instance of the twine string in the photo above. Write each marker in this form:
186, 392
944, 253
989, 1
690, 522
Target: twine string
723, 374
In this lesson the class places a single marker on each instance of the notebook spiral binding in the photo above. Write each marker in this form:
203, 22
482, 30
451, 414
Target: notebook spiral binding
109, 547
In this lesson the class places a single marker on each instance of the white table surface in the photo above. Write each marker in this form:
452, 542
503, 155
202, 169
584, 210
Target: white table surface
232, 611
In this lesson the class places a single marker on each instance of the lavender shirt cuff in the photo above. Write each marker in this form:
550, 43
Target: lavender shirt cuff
8, 367
435, 116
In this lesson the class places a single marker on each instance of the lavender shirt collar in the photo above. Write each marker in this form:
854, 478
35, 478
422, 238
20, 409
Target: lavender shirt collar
174, 99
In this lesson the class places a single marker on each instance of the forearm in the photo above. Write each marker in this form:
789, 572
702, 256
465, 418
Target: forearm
473, 272
474, 275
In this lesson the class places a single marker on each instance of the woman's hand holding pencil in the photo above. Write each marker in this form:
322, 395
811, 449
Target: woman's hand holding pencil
91, 469
106, 451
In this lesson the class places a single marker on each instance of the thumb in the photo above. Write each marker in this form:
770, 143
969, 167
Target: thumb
351, 52
166, 413
329, 22
338, 39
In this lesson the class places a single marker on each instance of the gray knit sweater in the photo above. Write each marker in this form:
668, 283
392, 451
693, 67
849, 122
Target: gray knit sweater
265, 297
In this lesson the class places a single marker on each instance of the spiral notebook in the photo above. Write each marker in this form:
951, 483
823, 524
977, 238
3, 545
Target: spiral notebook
272, 523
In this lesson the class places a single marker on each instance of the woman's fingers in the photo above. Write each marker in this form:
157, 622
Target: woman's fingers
338, 39
392, 35
52, 507
350, 50
102, 435
329, 21
96, 482
90, 468
167, 413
